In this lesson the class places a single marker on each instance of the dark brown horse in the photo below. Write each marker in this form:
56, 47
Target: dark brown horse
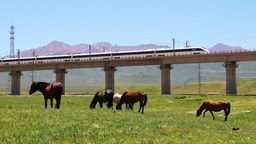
133, 97
49, 90
102, 97
216, 106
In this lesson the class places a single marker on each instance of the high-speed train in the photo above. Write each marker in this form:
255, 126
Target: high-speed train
118, 54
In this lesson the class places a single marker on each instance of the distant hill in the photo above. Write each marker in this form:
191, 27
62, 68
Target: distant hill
222, 47
57, 48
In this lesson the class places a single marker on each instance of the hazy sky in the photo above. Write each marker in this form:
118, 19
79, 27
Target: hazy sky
127, 22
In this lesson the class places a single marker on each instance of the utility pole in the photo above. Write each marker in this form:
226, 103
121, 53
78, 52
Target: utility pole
187, 42
11, 55
173, 46
12, 42
199, 78
18, 53
33, 73
90, 50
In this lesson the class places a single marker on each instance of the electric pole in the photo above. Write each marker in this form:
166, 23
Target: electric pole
199, 78
173, 46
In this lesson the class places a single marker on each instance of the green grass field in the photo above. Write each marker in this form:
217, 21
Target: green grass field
166, 119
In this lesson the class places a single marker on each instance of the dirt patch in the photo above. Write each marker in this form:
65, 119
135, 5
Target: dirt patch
244, 111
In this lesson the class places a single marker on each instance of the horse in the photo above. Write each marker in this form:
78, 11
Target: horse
133, 97
216, 106
49, 90
116, 98
102, 97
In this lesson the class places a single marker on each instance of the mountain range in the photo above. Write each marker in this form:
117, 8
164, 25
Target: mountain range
57, 48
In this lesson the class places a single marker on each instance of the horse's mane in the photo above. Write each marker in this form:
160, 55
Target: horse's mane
123, 96
122, 100
94, 100
201, 107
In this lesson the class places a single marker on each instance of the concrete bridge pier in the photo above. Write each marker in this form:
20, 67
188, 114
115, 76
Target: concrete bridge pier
15, 82
60, 77
166, 78
231, 77
109, 77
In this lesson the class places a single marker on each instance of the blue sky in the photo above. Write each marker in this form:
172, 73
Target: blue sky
127, 22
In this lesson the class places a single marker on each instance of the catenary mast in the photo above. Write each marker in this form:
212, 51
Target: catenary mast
12, 42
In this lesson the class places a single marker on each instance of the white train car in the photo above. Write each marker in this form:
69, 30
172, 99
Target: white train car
109, 55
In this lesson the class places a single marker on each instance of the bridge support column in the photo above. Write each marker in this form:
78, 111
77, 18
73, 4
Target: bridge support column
166, 78
60, 77
109, 77
231, 77
15, 82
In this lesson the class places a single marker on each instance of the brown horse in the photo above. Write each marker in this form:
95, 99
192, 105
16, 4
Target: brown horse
216, 106
132, 97
49, 90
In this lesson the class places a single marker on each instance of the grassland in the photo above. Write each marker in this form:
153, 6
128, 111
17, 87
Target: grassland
167, 119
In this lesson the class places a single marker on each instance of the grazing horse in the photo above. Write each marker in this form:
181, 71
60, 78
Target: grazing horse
216, 106
132, 97
49, 90
102, 97
117, 98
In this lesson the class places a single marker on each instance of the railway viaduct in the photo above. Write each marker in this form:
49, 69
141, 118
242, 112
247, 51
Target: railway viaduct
229, 60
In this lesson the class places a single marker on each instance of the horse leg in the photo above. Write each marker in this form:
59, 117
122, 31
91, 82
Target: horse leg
45, 102
204, 113
131, 106
57, 106
212, 115
226, 114
110, 104
140, 107
101, 104
51, 103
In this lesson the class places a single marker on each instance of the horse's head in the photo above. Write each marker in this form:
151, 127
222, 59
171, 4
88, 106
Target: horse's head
119, 106
198, 113
33, 88
92, 106
122, 100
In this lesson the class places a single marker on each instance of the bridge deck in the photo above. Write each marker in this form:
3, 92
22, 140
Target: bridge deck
139, 60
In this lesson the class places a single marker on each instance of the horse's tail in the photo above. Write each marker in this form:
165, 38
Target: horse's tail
59, 92
94, 101
228, 110
145, 99
60, 89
